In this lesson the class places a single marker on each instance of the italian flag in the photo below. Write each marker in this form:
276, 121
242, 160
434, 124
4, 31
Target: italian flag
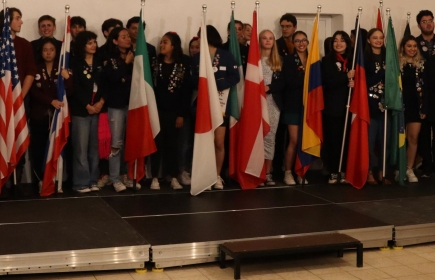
143, 119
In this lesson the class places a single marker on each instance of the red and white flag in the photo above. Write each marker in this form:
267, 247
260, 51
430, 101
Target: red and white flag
254, 120
59, 130
143, 119
208, 118
14, 134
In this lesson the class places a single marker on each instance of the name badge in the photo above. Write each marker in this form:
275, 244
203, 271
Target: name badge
223, 68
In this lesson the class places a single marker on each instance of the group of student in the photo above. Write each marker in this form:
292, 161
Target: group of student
98, 84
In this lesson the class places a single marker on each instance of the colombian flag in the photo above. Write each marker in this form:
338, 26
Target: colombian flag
311, 132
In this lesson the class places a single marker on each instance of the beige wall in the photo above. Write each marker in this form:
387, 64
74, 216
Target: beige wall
183, 16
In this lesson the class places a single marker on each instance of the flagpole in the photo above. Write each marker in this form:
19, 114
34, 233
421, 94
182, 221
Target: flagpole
385, 131
59, 171
381, 7
408, 17
4, 6
349, 94
257, 9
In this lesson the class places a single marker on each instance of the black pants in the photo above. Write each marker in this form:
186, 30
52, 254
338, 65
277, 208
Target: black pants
426, 145
167, 146
333, 128
39, 133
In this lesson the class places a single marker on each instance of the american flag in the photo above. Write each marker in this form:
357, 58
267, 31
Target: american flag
14, 134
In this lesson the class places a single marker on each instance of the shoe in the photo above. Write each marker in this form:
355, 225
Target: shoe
219, 185
128, 182
426, 175
333, 178
385, 181
343, 178
104, 181
300, 181
95, 188
269, 180
83, 190
371, 180
185, 178
175, 184
59, 191
155, 185
119, 186
288, 178
411, 176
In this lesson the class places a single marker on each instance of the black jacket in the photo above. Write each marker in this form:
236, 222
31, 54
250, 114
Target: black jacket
84, 80
335, 86
293, 75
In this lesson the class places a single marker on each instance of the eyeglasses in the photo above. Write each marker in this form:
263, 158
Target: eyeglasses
286, 26
429, 21
303, 41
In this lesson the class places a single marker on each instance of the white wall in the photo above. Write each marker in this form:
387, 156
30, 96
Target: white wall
183, 16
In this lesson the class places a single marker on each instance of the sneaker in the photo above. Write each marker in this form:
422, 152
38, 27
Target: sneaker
219, 185
333, 178
155, 185
288, 178
343, 178
269, 180
95, 188
119, 186
175, 184
185, 178
59, 190
83, 190
426, 175
104, 181
411, 176
299, 179
128, 182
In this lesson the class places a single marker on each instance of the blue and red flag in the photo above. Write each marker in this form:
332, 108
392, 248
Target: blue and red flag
358, 153
311, 131
59, 130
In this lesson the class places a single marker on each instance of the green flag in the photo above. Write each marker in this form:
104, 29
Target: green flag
394, 103
236, 92
235, 100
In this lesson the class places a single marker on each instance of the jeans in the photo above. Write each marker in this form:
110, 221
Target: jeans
85, 150
117, 123
376, 136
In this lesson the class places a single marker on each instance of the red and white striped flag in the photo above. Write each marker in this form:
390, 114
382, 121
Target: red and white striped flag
14, 134
254, 120
208, 118
143, 120
59, 130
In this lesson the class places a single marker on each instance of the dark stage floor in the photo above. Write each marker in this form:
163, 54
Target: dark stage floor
172, 219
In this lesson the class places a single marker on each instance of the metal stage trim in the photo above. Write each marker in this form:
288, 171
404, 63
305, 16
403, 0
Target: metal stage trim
414, 234
203, 252
76, 260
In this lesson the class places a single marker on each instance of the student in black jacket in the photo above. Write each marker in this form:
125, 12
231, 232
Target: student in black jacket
116, 85
86, 103
293, 72
173, 90
337, 77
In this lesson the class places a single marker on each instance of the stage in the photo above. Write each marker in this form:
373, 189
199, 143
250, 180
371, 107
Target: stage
106, 230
